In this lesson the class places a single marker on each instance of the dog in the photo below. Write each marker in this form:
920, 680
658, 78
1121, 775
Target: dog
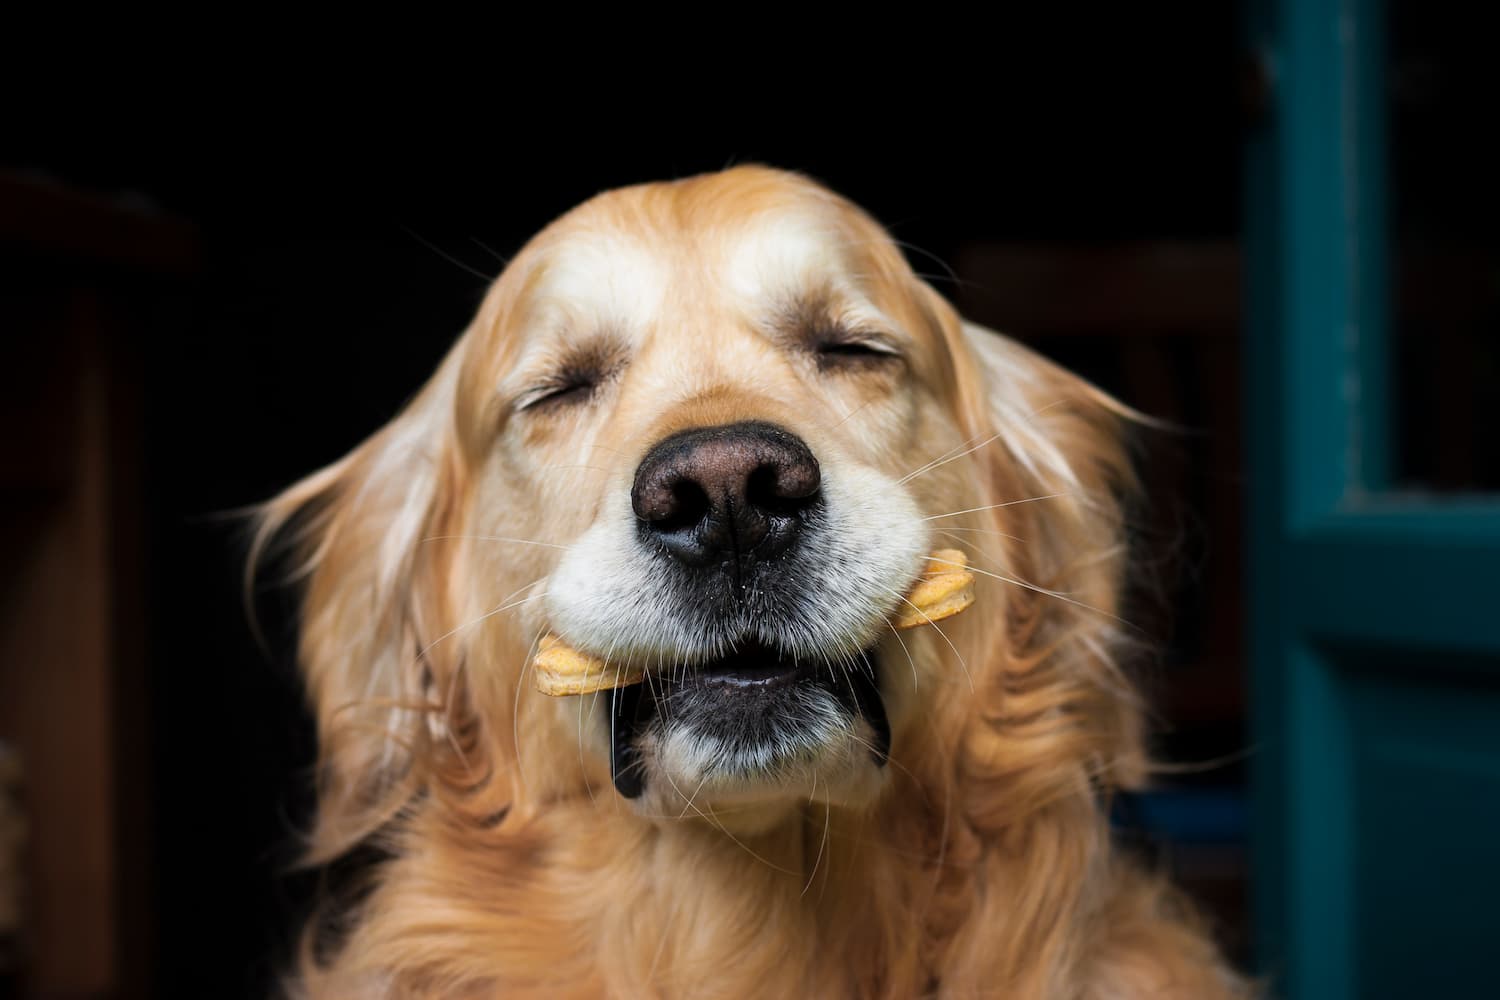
713, 429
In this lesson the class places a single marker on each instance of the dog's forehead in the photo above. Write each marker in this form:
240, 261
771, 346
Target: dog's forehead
628, 269
784, 256
599, 274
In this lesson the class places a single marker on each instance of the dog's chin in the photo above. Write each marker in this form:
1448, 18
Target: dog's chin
749, 731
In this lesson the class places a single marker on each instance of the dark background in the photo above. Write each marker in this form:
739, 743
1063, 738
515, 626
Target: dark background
272, 289
282, 287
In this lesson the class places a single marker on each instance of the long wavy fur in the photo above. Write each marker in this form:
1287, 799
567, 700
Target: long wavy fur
985, 869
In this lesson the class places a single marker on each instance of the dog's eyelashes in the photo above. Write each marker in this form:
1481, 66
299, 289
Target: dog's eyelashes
854, 353
566, 390
852, 349
575, 378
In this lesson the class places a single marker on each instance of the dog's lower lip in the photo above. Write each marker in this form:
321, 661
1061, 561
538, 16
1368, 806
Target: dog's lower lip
749, 667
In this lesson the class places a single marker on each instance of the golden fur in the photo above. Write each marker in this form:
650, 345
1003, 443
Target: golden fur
983, 864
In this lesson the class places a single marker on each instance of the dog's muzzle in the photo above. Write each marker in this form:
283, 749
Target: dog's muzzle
730, 510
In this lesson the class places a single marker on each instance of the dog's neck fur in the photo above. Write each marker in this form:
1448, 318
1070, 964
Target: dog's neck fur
971, 875
561, 903
582, 898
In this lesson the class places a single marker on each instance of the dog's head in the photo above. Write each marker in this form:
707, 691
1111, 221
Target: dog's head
712, 428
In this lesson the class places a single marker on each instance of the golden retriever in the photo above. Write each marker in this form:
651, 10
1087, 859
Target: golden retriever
713, 428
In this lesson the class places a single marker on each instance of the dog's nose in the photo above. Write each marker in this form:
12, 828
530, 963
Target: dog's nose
739, 490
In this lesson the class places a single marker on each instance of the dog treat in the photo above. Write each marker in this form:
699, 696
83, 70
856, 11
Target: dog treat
562, 670
945, 588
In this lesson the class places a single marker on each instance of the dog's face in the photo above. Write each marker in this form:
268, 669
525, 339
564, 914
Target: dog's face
708, 395
712, 428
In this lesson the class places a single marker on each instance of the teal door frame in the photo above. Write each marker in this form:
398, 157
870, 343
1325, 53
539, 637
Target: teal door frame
1368, 605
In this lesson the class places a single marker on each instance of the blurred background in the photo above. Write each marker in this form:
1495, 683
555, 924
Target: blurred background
1275, 226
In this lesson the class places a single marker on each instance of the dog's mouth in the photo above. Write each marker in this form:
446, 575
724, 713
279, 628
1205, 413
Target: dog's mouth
751, 714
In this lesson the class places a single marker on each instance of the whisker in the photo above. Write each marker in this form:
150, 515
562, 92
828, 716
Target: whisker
996, 506
843, 665
891, 761
555, 468
593, 703
961, 661
1039, 590
948, 273
693, 798
940, 462
493, 538
486, 278
982, 531
515, 714
905, 650
583, 764
489, 250
619, 674
721, 810
725, 831
488, 614
962, 444
822, 842
614, 715
852, 412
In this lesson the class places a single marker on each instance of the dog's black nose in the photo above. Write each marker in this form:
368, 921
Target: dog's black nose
737, 491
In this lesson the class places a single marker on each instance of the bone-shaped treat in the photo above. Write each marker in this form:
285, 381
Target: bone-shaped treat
945, 588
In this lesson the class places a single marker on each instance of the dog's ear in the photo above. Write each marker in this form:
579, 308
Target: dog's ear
357, 535
1058, 715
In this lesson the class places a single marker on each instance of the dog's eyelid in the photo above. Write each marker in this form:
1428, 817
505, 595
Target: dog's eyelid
852, 342
564, 385
562, 388
840, 348
570, 376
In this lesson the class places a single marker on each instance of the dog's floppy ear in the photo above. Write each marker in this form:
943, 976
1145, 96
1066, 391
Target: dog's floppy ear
1057, 716
358, 534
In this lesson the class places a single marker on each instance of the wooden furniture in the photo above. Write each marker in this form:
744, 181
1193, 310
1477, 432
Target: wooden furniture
79, 276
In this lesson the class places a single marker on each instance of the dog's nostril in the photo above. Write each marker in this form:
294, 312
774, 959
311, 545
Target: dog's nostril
773, 491
760, 487
689, 506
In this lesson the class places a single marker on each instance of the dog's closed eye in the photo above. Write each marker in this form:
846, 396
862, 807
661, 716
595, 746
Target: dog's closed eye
572, 381
839, 351
568, 387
